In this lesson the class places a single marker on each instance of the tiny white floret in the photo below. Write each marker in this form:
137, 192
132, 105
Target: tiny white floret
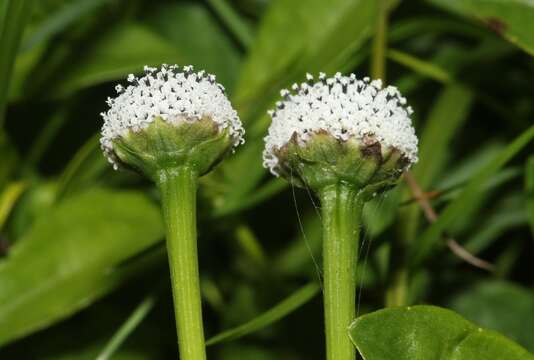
171, 94
346, 108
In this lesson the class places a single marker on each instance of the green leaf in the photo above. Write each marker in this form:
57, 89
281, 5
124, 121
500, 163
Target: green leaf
460, 172
13, 18
529, 180
380, 212
200, 39
509, 215
469, 196
300, 254
511, 19
279, 311
73, 255
37, 200
233, 21
428, 333
298, 36
9, 158
124, 49
59, 20
8, 199
84, 167
131, 323
490, 304
447, 115
479, 203
238, 203
423, 67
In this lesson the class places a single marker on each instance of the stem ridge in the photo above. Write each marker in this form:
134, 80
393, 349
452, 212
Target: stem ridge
341, 208
178, 192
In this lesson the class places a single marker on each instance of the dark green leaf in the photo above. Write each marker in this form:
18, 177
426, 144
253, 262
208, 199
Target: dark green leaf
71, 256
448, 114
381, 211
530, 190
509, 18
131, 323
83, 168
199, 38
500, 306
9, 158
279, 311
428, 333
13, 18
59, 20
125, 49
446, 117
233, 21
423, 67
509, 215
467, 198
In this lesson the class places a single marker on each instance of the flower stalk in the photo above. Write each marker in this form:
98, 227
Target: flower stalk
341, 214
174, 125
178, 197
347, 140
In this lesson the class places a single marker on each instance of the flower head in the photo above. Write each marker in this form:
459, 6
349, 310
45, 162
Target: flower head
344, 112
169, 94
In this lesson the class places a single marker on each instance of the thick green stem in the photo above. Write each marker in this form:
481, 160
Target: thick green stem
341, 213
178, 193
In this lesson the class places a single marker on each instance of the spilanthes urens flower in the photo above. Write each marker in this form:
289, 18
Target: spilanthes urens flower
174, 125
340, 128
346, 139
169, 115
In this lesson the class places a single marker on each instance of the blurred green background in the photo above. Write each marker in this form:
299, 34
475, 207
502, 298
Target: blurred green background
81, 246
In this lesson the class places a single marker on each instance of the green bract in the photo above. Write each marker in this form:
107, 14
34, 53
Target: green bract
325, 160
198, 145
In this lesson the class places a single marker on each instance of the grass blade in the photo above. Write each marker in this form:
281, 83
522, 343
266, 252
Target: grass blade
133, 321
232, 20
511, 20
529, 184
8, 199
420, 66
14, 16
282, 309
470, 193
447, 116
59, 20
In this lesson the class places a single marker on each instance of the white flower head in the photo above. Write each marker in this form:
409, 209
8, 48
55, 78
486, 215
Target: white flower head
344, 107
175, 95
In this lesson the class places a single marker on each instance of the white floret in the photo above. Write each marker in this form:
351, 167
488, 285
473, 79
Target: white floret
346, 108
172, 94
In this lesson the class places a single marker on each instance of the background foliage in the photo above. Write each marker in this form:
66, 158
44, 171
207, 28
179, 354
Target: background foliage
83, 267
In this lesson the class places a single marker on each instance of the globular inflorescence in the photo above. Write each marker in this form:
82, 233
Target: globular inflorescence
172, 94
344, 107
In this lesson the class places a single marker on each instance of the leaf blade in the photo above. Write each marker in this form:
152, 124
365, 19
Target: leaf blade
511, 19
86, 239
283, 308
467, 197
429, 333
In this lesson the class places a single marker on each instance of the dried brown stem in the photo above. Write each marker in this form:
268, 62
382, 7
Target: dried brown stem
432, 216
